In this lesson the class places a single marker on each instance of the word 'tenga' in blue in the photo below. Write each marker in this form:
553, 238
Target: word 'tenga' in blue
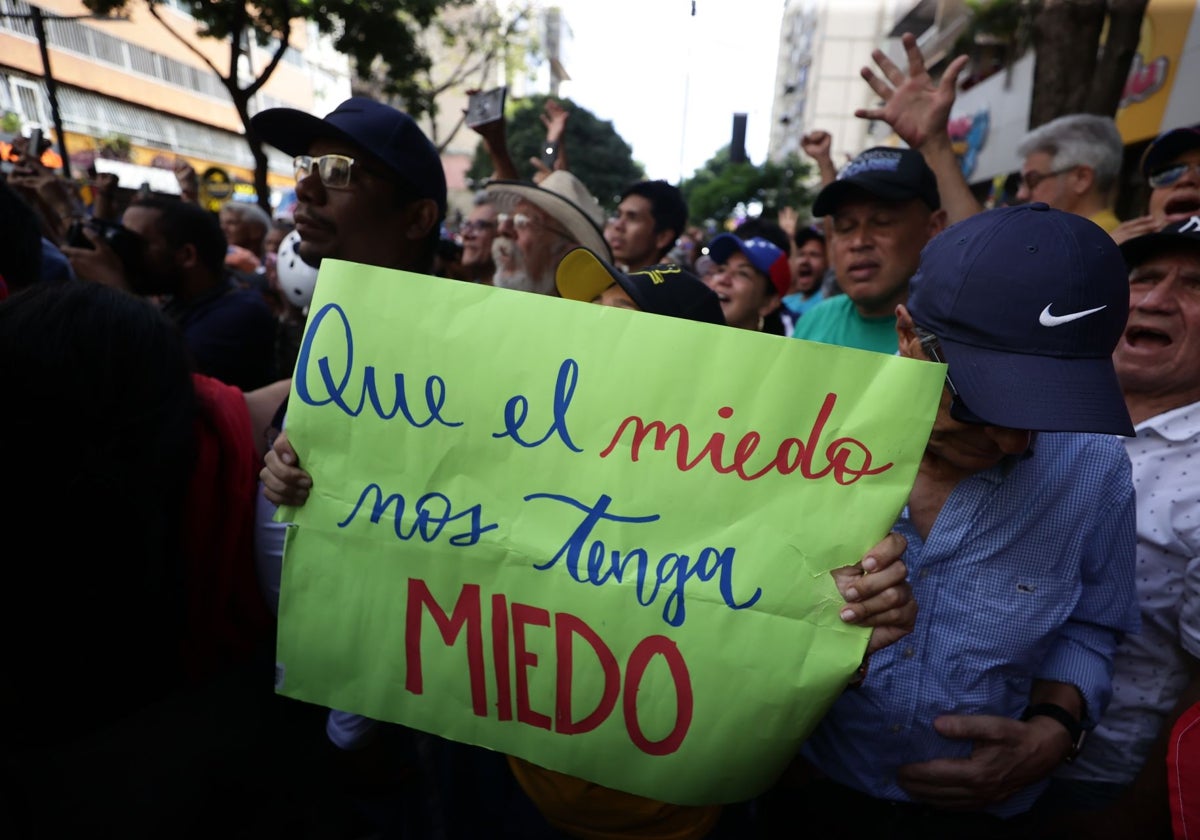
588, 560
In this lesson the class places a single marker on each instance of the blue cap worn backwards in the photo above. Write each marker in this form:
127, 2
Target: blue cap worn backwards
1028, 304
386, 134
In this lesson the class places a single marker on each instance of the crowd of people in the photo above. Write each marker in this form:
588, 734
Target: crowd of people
1034, 614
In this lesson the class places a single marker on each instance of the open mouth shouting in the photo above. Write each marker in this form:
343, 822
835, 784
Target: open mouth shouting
1139, 337
1182, 206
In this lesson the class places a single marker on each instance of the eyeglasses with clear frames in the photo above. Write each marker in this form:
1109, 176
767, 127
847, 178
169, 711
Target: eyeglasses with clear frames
958, 408
474, 225
334, 170
1032, 179
521, 221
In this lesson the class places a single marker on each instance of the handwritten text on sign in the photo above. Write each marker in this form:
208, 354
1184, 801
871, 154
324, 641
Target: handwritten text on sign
478, 453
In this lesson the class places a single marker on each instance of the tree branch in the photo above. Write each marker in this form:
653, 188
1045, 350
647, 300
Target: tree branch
181, 39
261, 80
458, 124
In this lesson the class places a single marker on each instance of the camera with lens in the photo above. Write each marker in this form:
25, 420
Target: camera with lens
127, 244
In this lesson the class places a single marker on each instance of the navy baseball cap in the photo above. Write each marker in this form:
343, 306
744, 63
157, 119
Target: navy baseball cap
884, 172
669, 290
1169, 145
1028, 304
764, 255
390, 136
1185, 234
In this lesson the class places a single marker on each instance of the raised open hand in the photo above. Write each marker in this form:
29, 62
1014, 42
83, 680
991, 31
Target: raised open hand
914, 106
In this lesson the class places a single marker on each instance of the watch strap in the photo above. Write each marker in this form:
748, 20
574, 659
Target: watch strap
1074, 728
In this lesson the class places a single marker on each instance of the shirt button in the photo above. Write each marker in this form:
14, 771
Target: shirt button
908, 653
895, 727
924, 574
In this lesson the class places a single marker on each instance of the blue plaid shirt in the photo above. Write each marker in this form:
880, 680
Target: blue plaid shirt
1027, 575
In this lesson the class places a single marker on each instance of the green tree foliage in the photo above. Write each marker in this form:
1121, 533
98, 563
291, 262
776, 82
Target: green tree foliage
372, 33
596, 153
716, 190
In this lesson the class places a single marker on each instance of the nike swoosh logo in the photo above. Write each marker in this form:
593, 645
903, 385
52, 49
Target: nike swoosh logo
1048, 320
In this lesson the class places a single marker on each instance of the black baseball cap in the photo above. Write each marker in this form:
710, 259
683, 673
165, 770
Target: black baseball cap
884, 172
667, 289
389, 135
1182, 233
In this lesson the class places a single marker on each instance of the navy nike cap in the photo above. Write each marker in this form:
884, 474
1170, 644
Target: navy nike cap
1028, 304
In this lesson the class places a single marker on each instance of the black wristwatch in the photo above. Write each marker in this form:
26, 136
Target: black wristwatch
1074, 727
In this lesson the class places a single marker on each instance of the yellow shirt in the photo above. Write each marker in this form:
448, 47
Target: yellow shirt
594, 812
1107, 219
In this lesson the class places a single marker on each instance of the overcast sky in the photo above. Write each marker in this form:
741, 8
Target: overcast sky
656, 70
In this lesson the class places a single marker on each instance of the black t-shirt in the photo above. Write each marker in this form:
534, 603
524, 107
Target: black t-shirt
231, 334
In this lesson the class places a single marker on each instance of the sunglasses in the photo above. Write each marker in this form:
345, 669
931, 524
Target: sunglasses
334, 170
1168, 175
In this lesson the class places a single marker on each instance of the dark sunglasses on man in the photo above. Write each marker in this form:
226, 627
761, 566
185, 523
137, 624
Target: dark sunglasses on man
1168, 175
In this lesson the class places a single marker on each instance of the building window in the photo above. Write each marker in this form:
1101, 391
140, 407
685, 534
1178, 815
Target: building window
29, 101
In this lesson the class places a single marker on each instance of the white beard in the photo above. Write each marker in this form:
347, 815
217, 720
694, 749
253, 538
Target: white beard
510, 269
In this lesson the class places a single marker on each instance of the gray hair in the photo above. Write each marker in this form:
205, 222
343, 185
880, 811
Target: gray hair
1079, 140
481, 198
248, 212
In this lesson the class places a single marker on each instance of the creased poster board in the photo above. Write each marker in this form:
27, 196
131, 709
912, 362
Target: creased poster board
596, 539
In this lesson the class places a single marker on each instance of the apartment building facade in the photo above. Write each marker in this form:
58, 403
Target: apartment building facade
133, 99
823, 44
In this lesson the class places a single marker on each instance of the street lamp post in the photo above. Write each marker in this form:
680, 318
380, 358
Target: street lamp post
39, 29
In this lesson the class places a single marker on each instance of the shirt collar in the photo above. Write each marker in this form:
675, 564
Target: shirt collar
1178, 424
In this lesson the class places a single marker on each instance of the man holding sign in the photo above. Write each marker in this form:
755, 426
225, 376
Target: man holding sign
369, 188
371, 192
1021, 543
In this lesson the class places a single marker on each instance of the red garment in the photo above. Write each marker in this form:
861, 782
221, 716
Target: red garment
1183, 775
228, 619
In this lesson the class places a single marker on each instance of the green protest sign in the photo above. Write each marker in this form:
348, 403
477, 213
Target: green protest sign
596, 539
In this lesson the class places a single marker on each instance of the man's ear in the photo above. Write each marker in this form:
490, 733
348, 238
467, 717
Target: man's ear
937, 222
910, 345
186, 255
664, 239
1082, 179
421, 218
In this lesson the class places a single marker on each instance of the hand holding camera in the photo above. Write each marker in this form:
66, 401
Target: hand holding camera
41, 186
104, 252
